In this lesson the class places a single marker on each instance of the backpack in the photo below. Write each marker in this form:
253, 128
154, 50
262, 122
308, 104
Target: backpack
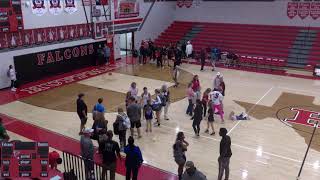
126, 121
163, 100
116, 128
8, 73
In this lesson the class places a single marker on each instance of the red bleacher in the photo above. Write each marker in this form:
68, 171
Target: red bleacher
261, 41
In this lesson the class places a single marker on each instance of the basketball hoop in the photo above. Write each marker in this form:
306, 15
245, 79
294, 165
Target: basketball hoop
109, 38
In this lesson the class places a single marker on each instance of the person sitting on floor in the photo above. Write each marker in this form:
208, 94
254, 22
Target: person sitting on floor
241, 116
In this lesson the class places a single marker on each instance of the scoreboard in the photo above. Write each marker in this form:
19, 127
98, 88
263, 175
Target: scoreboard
10, 16
24, 159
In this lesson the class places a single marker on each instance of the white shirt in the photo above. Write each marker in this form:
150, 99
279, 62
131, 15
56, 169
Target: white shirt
12, 73
216, 97
189, 49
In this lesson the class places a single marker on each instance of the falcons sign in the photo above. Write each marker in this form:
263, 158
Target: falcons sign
305, 117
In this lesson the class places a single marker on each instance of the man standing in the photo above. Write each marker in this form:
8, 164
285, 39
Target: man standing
12, 75
87, 152
189, 49
202, 58
225, 154
107, 53
134, 114
110, 154
82, 111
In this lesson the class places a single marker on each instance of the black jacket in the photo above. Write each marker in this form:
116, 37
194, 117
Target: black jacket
198, 113
225, 147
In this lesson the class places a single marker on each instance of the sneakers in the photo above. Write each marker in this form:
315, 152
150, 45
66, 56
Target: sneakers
14, 89
207, 131
213, 133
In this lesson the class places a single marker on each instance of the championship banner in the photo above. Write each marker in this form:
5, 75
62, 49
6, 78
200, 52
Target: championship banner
27, 38
292, 9
70, 6
126, 8
315, 10
39, 7
304, 9
55, 7
3, 41
180, 3
188, 3
51, 34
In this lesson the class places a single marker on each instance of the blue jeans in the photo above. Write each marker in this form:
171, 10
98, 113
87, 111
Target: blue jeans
190, 107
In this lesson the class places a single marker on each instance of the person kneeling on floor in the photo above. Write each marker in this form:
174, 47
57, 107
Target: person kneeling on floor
191, 173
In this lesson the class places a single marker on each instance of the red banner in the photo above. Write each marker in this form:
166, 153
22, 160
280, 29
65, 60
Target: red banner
315, 10
188, 3
292, 9
180, 3
304, 9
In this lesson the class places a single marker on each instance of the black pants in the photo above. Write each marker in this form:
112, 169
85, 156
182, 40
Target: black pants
134, 171
204, 105
13, 84
202, 64
159, 62
196, 126
190, 108
122, 138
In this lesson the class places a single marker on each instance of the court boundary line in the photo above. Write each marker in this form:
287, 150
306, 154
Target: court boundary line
241, 146
265, 94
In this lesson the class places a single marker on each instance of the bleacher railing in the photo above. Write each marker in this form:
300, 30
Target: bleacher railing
79, 168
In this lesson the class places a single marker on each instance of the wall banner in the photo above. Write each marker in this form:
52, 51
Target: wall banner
39, 7
126, 8
55, 7
70, 6
292, 9
315, 10
304, 9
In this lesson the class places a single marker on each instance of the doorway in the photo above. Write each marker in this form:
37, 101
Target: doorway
126, 44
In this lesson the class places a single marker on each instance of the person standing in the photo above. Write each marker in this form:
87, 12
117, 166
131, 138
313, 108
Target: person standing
222, 86
179, 148
177, 57
202, 58
87, 152
98, 108
190, 95
205, 100
148, 114
217, 81
134, 90
120, 120
197, 117
166, 95
107, 53
134, 159
157, 106
189, 49
110, 154
210, 121
12, 75
191, 172
183, 48
196, 86
216, 100
225, 154
175, 75
134, 114
145, 96
82, 111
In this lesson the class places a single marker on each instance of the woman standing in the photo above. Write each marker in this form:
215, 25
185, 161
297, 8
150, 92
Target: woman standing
134, 159
120, 120
157, 105
196, 86
190, 95
134, 90
222, 86
197, 117
145, 96
179, 149
210, 121
205, 100
216, 98
166, 95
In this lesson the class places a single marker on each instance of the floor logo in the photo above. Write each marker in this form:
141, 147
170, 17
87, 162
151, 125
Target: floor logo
304, 117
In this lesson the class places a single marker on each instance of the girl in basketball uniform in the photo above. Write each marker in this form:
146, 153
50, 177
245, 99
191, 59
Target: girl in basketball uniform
216, 99
145, 96
210, 121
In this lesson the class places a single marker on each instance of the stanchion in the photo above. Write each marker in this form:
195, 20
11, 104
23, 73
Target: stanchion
306, 154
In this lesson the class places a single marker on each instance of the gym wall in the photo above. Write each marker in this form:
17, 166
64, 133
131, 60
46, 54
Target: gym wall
244, 12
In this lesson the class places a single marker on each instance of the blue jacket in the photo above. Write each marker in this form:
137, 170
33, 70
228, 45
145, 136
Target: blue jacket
133, 156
